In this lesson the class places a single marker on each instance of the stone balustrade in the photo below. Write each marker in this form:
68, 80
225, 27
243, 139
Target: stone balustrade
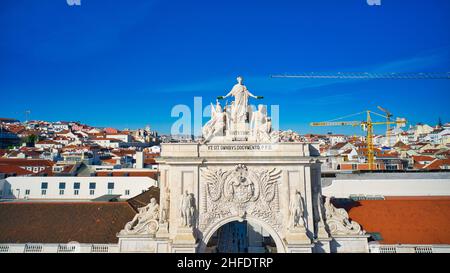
59, 248
378, 248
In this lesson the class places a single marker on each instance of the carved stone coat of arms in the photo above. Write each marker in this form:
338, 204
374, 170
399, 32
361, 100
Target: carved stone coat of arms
240, 191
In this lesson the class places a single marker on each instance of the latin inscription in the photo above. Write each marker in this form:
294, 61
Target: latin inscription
243, 147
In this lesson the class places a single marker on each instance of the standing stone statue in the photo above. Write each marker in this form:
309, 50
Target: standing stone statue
260, 124
318, 211
240, 105
187, 209
165, 210
296, 211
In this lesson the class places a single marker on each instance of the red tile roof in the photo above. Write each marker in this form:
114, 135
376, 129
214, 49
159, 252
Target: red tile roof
26, 162
143, 199
421, 158
405, 220
123, 152
15, 170
152, 155
16, 128
444, 153
63, 222
399, 144
47, 142
438, 164
109, 161
110, 139
338, 146
430, 151
150, 161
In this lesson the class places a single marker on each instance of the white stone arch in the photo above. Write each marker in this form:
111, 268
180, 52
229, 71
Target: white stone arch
208, 233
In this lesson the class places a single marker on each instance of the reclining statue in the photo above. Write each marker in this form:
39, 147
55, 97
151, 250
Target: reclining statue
145, 221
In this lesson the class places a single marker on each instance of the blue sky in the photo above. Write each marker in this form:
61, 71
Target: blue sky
127, 63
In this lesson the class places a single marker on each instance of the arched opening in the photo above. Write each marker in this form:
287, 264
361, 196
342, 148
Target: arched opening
241, 237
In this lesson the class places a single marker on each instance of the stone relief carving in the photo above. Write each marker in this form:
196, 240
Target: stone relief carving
338, 222
145, 221
296, 209
241, 192
187, 209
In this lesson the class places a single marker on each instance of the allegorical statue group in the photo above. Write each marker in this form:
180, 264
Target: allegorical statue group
238, 118
240, 185
145, 221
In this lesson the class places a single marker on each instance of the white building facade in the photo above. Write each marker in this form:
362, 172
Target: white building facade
69, 187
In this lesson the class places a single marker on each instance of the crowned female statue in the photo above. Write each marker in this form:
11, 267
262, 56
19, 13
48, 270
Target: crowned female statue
239, 107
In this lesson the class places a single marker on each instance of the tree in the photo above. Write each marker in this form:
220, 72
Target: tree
439, 122
30, 139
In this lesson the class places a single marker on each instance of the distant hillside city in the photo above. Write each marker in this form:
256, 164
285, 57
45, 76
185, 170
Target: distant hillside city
61, 148
84, 183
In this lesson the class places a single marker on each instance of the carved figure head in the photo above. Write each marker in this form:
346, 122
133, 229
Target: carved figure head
218, 107
240, 79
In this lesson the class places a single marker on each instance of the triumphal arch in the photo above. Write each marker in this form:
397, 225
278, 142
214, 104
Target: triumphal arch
241, 173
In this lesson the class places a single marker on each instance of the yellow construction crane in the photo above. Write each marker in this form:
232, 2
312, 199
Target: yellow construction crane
366, 125
388, 125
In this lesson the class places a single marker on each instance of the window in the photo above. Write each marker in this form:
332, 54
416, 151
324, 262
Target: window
110, 187
43, 192
92, 186
27, 192
44, 185
127, 192
75, 192
391, 167
61, 192
76, 185
62, 185
91, 192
